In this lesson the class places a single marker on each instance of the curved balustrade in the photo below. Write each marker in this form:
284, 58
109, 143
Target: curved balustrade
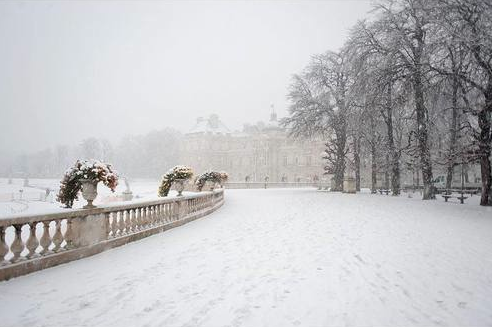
33, 242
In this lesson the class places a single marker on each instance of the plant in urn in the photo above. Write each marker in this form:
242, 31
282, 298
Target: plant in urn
176, 176
84, 176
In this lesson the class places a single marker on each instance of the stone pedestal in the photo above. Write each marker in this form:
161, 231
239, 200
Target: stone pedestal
349, 185
333, 185
89, 230
127, 196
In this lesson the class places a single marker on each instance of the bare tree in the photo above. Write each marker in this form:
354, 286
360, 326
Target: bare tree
469, 22
319, 107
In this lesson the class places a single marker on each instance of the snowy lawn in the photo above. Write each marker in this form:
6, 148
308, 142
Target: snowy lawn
280, 257
31, 203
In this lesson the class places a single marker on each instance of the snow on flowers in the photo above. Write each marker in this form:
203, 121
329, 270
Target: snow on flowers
211, 176
173, 174
91, 169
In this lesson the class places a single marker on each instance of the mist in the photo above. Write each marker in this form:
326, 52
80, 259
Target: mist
73, 70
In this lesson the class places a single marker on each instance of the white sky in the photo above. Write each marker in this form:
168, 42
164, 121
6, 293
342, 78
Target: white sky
70, 70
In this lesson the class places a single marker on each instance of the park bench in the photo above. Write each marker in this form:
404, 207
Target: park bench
381, 191
460, 197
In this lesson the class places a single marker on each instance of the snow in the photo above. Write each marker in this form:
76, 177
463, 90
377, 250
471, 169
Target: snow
33, 197
280, 257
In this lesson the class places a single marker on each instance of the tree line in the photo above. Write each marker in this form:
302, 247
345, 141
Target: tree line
133, 156
410, 89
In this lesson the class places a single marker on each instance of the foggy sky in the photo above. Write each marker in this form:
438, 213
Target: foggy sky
70, 70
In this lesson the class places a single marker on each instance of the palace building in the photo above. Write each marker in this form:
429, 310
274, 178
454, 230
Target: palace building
258, 151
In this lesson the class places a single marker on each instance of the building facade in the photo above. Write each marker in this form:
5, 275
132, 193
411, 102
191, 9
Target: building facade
257, 152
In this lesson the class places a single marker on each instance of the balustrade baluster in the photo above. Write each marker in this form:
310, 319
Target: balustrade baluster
138, 218
17, 245
164, 213
32, 242
45, 240
114, 224
133, 223
127, 222
58, 237
4, 249
152, 215
149, 216
129, 225
143, 217
121, 225
160, 212
107, 225
156, 215
171, 211
175, 211
69, 235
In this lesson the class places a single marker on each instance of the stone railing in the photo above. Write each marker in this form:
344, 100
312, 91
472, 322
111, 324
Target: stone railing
256, 185
34, 242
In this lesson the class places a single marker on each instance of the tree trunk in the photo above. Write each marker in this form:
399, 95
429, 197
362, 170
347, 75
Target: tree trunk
395, 158
386, 173
338, 166
423, 136
374, 178
422, 114
453, 133
484, 148
357, 163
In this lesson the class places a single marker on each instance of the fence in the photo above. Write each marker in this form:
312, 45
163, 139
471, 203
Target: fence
34, 242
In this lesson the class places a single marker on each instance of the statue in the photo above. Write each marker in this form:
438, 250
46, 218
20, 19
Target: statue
127, 194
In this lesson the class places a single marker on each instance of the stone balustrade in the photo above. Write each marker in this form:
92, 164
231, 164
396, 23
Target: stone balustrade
34, 242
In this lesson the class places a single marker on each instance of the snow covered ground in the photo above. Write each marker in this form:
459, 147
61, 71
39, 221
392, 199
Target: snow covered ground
33, 199
280, 257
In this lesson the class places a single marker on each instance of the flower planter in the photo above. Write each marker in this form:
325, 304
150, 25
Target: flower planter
89, 192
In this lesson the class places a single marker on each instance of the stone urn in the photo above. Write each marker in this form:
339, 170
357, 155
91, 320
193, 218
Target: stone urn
349, 185
89, 192
211, 185
179, 185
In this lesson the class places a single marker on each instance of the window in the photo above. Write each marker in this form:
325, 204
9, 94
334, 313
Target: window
286, 161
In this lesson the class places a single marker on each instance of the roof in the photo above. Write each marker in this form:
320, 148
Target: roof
211, 125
